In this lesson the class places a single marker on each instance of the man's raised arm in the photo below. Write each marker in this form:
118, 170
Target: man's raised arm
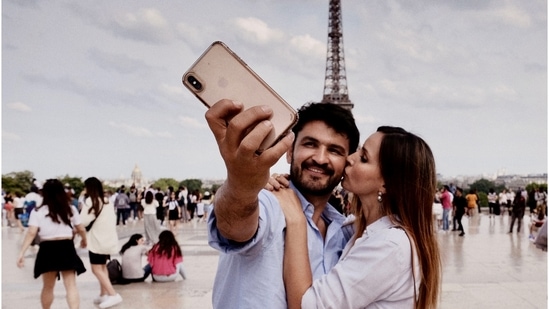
239, 134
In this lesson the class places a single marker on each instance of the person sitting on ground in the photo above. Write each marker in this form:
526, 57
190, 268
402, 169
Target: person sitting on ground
166, 258
132, 253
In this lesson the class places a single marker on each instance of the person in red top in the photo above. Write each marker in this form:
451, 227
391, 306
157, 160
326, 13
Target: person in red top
446, 201
166, 258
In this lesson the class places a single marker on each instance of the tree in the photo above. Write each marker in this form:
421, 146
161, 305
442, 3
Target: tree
17, 182
76, 183
482, 185
164, 183
191, 184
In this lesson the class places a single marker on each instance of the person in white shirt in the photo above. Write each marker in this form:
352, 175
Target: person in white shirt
100, 219
393, 260
54, 221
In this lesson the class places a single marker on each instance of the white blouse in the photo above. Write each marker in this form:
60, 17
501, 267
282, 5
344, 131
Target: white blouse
375, 272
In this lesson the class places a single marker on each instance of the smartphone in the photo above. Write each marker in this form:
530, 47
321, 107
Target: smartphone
220, 74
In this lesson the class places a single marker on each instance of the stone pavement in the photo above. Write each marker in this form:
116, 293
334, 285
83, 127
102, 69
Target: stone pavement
487, 268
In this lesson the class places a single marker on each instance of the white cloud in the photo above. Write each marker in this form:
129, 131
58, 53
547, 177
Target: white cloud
164, 134
144, 25
20, 107
132, 130
513, 16
9, 136
192, 123
308, 46
257, 31
171, 90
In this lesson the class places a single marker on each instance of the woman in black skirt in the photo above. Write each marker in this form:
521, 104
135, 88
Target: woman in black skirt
54, 222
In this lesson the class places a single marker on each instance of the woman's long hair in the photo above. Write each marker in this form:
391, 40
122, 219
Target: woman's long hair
133, 241
55, 197
167, 245
149, 196
94, 189
408, 169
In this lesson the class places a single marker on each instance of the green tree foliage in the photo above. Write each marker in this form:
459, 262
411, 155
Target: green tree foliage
164, 183
76, 183
191, 184
533, 185
482, 185
17, 182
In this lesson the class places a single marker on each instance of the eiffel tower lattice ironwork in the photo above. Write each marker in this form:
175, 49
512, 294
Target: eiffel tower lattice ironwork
335, 82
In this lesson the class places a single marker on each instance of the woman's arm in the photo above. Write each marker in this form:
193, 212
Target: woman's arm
31, 233
297, 269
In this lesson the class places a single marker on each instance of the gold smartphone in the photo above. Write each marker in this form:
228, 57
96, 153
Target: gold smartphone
220, 74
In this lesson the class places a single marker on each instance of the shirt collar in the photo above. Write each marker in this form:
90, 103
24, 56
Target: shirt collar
330, 213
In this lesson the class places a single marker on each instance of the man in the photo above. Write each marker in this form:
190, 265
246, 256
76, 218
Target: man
247, 224
122, 205
446, 201
460, 204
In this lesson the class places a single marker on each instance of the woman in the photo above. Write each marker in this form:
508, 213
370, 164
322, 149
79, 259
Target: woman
174, 211
166, 258
19, 210
54, 221
472, 201
132, 253
393, 259
8, 206
152, 228
99, 217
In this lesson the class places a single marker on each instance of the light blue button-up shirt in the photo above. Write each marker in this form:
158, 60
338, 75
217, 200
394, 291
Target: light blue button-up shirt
249, 275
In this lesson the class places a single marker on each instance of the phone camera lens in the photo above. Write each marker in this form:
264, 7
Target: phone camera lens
194, 82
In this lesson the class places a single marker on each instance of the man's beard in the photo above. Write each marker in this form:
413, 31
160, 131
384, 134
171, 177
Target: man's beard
315, 187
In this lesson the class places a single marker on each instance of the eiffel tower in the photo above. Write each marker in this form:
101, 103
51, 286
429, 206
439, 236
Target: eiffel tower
335, 82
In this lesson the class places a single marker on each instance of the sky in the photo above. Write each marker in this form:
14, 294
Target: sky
93, 88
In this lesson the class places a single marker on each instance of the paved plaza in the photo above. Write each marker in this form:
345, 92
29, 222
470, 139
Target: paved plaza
487, 268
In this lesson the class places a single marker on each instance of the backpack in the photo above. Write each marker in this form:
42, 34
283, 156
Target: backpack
115, 271
29, 206
133, 197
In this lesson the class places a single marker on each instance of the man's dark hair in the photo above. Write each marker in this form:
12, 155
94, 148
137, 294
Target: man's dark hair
334, 116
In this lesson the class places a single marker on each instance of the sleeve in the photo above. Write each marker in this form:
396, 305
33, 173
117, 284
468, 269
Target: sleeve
34, 218
85, 216
372, 270
75, 219
270, 216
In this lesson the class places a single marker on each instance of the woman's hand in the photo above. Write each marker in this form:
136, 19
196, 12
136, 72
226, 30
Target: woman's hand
277, 182
21, 261
291, 206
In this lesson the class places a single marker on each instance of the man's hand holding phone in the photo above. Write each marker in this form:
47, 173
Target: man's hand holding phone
239, 133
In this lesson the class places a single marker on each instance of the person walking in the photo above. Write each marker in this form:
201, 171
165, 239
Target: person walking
393, 259
53, 221
492, 203
150, 223
519, 207
99, 218
122, 206
446, 202
174, 211
472, 202
460, 204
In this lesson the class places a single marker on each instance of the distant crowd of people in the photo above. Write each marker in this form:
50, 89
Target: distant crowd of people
54, 217
450, 201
